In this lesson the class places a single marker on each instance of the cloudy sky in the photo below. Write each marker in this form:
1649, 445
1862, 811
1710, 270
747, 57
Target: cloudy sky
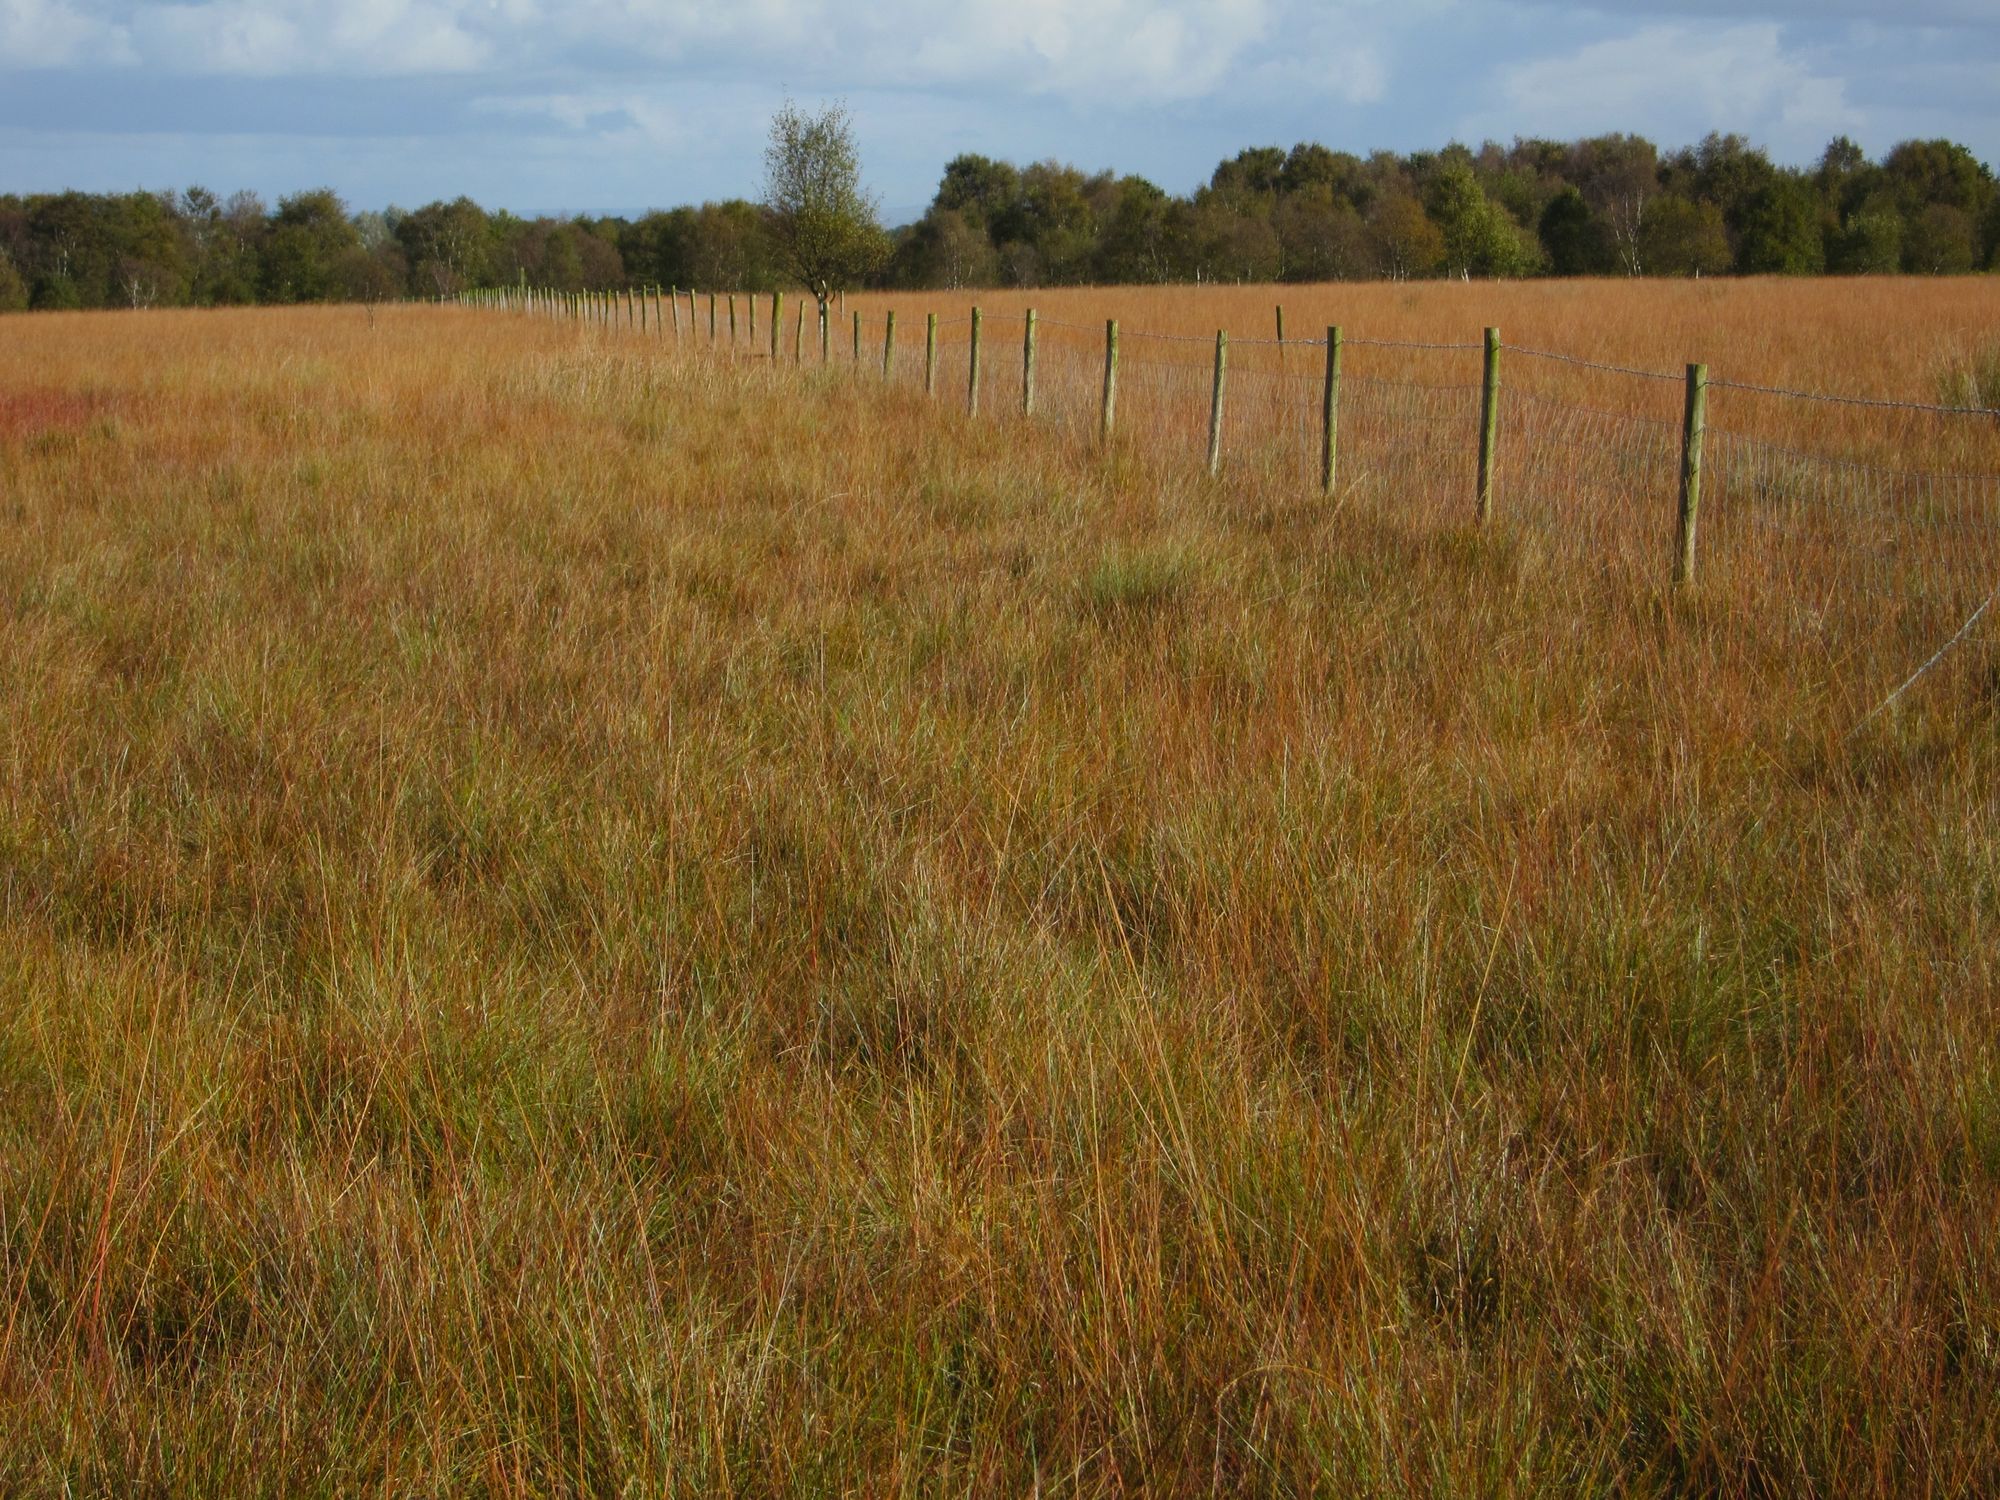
619, 105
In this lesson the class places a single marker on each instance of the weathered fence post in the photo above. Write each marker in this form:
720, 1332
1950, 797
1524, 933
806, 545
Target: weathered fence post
889, 346
930, 354
1329, 417
972, 378
674, 301
777, 322
1215, 402
799, 335
1694, 428
825, 332
712, 323
732, 320
1281, 338
1108, 418
1028, 365
750, 307
694, 317
1489, 425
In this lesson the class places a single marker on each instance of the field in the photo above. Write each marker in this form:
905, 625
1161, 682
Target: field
583, 917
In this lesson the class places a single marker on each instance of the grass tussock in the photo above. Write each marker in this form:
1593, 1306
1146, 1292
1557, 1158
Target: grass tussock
574, 921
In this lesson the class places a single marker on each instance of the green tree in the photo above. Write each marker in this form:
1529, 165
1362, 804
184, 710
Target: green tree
1574, 238
305, 253
13, 289
824, 225
1782, 231
1870, 243
1942, 240
1683, 238
1405, 241
449, 246
1479, 238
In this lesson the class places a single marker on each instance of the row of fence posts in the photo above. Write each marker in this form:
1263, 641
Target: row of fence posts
607, 308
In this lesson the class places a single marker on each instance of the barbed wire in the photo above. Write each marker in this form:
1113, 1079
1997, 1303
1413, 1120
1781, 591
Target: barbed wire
1936, 657
1591, 364
1406, 344
1867, 401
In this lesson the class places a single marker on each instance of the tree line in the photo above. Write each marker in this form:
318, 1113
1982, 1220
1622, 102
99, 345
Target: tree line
1615, 205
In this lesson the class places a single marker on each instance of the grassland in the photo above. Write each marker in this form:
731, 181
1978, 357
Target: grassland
582, 918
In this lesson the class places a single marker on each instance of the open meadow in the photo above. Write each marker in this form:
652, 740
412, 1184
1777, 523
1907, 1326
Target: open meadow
583, 916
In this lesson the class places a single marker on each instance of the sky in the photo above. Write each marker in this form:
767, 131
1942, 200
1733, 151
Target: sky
616, 106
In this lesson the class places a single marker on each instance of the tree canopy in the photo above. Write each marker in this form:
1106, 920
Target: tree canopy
1615, 205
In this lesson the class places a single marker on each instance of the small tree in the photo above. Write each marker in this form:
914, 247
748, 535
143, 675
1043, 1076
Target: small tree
824, 225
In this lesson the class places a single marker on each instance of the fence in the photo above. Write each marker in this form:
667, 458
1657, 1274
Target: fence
1826, 510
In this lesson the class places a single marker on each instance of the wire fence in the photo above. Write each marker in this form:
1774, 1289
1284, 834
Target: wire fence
1865, 531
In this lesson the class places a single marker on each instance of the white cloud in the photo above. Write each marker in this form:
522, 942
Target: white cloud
54, 34
1674, 81
260, 38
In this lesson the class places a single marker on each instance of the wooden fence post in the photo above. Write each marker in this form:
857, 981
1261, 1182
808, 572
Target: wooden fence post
857, 335
889, 346
825, 332
799, 335
1027, 365
1694, 429
1215, 403
712, 326
1281, 338
694, 318
930, 354
1329, 417
972, 377
732, 320
1489, 425
777, 322
750, 307
1108, 418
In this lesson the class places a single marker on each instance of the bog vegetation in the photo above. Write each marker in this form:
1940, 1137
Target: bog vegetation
1616, 205
582, 916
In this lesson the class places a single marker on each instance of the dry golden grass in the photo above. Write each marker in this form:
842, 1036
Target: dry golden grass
576, 918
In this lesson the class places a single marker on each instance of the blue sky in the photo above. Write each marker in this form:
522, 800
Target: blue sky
620, 105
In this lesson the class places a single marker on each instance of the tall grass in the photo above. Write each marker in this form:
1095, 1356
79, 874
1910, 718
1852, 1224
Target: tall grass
581, 920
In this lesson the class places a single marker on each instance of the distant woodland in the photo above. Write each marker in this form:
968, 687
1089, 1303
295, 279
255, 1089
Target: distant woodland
1616, 205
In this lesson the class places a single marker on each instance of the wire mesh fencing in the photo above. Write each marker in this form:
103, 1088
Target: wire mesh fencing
1866, 530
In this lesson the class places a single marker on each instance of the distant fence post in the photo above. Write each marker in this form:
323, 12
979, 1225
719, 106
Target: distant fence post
1329, 417
1489, 425
1281, 338
1028, 365
972, 378
694, 318
1109, 416
644, 294
732, 320
889, 346
711, 318
1215, 402
777, 322
857, 334
1694, 429
750, 307
825, 333
799, 335
930, 354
